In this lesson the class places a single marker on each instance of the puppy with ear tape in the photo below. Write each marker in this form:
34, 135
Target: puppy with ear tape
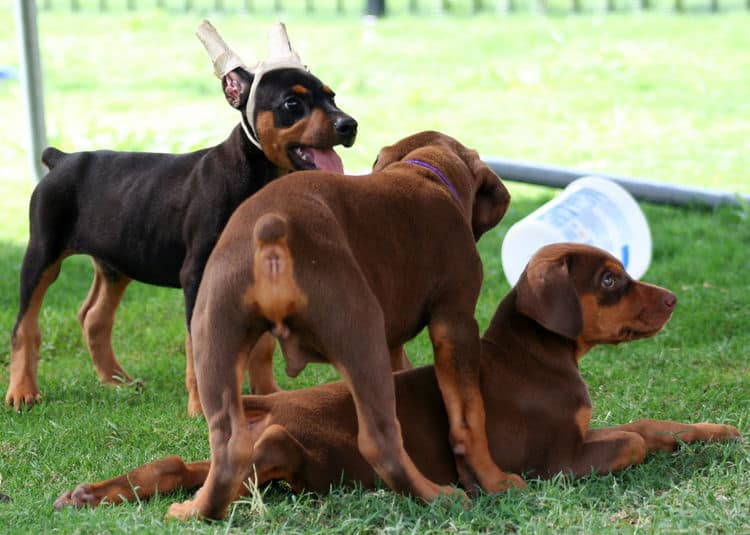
155, 217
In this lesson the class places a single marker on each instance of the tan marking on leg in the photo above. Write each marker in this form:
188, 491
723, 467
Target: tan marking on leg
400, 360
24, 358
583, 417
260, 366
97, 317
96, 285
194, 408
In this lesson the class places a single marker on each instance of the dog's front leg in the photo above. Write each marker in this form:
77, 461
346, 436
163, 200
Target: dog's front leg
455, 340
614, 448
662, 435
607, 450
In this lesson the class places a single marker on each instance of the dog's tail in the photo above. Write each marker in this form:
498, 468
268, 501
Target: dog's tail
275, 292
51, 156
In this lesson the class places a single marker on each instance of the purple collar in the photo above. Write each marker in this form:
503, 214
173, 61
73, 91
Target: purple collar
440, 175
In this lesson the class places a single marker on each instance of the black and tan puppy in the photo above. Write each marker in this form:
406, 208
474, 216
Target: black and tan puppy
571, 298
155, 218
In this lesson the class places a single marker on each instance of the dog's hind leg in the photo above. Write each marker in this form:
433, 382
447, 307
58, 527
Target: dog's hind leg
163, 476
277, 455
260, 366
37, 274
357, 348
400, 360
97, 317
191, 384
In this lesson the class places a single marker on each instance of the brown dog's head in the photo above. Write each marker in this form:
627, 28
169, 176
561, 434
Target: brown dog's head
479, 188
583, 293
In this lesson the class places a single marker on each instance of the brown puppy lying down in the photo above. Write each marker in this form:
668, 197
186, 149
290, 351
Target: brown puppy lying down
570, 298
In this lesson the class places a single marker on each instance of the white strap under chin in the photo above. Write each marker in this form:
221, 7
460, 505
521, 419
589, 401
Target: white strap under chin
260, 70
250, 136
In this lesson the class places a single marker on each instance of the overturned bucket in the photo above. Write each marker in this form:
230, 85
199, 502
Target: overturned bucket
590, 210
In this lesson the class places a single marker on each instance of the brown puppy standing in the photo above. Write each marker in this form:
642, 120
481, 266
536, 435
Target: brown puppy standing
345, 270
570, 298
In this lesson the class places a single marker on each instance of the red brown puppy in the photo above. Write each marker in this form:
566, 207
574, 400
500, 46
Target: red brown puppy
346, 269
570, 298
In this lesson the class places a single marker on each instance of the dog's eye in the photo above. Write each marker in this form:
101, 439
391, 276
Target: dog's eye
608, 280
292, 104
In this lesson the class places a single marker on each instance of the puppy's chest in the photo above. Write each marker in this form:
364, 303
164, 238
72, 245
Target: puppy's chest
562, 408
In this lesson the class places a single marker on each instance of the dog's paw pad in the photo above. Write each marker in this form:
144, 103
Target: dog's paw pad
80, 496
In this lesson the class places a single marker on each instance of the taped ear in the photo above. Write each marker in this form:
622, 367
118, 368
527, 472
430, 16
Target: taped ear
236, 85
546, 294
223, 58
491, 199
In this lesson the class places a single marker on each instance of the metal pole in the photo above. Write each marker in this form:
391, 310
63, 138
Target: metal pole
642, 189
31, 83
375, 8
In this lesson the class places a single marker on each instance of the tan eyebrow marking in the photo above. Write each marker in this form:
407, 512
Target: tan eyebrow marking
328, 90
300, 89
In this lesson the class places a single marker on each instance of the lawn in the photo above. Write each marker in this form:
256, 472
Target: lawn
650, 95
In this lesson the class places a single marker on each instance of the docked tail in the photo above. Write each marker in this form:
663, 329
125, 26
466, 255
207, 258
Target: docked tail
275, 292
51, 155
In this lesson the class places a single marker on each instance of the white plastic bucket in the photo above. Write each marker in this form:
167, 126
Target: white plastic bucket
591, 210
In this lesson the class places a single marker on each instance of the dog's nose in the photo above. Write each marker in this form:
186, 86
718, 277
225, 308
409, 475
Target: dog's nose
670, 300
346, 128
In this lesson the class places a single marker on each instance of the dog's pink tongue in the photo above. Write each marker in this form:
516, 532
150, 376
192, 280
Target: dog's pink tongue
327, 160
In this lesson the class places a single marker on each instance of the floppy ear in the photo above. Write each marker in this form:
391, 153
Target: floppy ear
236, 86
546, 294
398, 151
491, 199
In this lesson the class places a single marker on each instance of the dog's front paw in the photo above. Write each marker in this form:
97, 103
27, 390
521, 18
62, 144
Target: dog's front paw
194, 408
81, 496
712, 432
22, 395
492, 479
184, 511
510, 481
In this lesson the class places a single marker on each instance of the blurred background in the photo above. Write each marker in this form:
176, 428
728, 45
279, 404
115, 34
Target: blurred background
656, 89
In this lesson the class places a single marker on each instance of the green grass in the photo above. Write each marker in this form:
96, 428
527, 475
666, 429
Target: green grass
651, 95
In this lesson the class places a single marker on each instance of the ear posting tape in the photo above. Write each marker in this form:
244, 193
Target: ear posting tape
281, 55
